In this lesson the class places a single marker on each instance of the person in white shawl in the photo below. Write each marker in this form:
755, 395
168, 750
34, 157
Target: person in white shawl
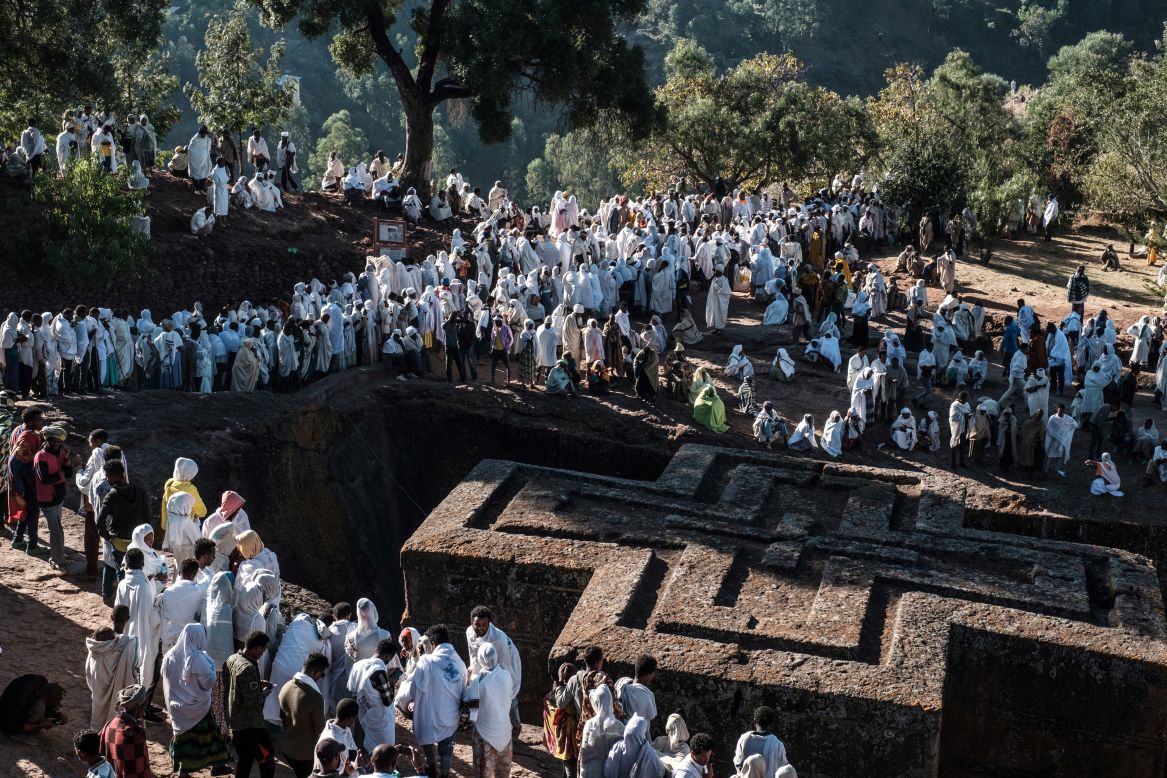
260, 195
782, 367
833, 429
664, 288
776, 311
1059, 437
198, 157
136, 592
435, 692
1093, 384
182, 529
826, 347
903, 430
154, 565
1106, 479
483, 632
305, 635
739, 365
861, 389
600, 733
138, 180
257, 559
188, 676
1037, 393
856, 365
218, 617
634, 756
411, 206
220, 194
111, 663
364, 636
333, 173
673, 746
180, 605
66, 149
717, 301
202, 222
489, 695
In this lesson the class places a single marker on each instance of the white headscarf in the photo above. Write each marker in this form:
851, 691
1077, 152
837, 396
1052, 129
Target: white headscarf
634, 756
188, 673
153, 560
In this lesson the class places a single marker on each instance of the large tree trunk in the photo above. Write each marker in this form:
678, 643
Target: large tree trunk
419, 148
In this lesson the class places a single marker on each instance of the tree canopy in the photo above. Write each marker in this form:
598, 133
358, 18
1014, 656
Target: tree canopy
237, 87
51, 60
754, 124
486, 52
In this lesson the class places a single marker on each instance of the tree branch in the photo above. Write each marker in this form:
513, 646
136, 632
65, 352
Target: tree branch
379, 32
449, 89
430, 43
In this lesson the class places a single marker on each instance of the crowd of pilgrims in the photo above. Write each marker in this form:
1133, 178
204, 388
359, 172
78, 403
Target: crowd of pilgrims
201, 618
197, 641
576, 302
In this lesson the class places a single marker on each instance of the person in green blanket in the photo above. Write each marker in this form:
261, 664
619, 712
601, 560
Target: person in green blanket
709, 410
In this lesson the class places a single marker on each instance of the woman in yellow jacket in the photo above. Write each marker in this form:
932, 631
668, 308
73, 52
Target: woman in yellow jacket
185, 471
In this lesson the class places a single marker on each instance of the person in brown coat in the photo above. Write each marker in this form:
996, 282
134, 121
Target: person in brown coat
302, 713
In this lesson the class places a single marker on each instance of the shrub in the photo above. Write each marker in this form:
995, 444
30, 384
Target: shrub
89, 213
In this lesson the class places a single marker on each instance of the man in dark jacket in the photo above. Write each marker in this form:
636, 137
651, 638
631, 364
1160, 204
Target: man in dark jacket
122, 508
302, 714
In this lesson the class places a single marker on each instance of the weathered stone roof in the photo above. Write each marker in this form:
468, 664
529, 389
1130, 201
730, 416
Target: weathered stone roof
891, 639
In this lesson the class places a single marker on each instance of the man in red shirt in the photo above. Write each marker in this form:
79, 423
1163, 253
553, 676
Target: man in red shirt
123, 739
53, 470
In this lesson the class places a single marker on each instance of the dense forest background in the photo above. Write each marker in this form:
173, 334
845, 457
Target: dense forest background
845, 45
943, 103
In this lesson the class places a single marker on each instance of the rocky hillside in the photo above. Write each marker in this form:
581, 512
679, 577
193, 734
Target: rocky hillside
255, 257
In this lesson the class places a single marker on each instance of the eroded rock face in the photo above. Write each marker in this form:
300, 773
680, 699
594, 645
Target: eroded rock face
892, 640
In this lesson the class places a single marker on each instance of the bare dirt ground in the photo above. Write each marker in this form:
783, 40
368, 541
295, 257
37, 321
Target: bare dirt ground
49, 616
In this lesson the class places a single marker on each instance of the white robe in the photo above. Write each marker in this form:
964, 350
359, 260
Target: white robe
137, 593
301, 638
198, 157
220, 179
110, 666
717, 303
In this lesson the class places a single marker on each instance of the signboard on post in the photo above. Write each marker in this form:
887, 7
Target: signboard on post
389, 238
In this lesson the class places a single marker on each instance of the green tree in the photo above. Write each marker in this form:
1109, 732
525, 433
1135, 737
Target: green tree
487, 52
580, 162
540, 181
757, 123
237, 88
51, 61
90, 216
1128, 178
1060, 129
337, 134
145, 86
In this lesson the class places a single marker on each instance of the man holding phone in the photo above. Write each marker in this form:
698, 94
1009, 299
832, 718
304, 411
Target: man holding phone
244, 691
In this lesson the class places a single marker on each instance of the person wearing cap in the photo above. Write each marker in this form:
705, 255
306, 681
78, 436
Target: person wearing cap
285, 163
53, 467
